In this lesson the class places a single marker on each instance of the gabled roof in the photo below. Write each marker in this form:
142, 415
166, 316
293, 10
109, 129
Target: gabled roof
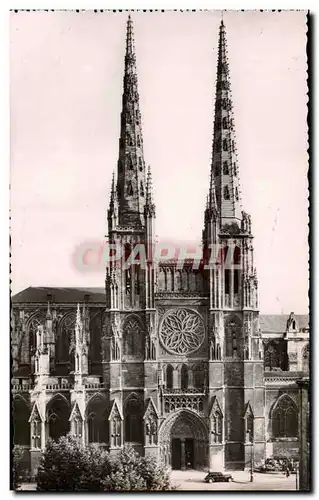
59, 294
150, 409
115, 411
277, 323
76, 411
35, 413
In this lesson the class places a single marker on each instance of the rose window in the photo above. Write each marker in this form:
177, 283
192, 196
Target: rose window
182, 332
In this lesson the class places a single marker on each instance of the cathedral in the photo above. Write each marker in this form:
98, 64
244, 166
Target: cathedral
174, 360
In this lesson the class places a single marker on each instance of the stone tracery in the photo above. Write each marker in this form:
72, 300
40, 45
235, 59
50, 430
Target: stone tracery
182, 332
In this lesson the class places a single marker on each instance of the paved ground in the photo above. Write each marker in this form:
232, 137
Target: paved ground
194, 480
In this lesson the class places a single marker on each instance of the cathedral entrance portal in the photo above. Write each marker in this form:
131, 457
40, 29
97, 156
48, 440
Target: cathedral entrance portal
184, 441
182, 453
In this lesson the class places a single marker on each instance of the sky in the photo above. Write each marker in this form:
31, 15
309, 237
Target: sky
66, 72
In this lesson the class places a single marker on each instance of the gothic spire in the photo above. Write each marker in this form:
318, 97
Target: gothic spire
224, 183
131, 179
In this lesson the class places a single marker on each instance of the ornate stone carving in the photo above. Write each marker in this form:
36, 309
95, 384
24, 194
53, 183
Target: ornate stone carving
231, 229
182, 332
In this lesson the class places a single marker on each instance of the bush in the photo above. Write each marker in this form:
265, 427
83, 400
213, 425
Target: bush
67, 465
17, 456
130, 472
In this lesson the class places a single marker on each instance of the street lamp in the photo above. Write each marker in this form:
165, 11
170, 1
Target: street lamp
252, 462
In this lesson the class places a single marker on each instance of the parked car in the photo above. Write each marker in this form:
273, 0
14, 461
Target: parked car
218, 477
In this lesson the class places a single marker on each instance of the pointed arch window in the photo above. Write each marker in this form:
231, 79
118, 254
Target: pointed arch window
36, 434
138, 141
97, 423
21, 428
184, 377
225, 145
137, 117
132, 337
217, 426
169, 377
225, 123
133, 421
141, 189
58, 418
65, 335
96, 327
226, 193
225, 168
129, 188
231, 339
77, 427
28, 340
285, 418
272, 357
236, 256
140, 164
236, 194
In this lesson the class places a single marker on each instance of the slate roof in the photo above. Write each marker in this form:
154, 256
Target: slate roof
277, 323
60, 295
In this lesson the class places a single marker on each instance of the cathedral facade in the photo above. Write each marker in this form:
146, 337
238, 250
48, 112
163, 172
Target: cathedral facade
173, 359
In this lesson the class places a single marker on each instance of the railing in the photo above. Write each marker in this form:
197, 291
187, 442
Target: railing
199, 391
95, 385
59, 387
22, 388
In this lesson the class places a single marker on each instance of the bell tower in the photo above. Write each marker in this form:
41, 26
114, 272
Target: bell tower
129, 341
236, 382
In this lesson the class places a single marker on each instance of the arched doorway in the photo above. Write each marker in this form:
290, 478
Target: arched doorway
184, 441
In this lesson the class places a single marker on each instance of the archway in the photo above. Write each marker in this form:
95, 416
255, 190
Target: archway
183, 441
58, 413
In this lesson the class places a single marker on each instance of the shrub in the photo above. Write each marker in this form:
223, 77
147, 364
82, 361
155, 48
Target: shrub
17, 456
67, 465
130, 472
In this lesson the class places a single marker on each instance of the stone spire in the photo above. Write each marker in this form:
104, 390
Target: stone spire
224, 191
131, 179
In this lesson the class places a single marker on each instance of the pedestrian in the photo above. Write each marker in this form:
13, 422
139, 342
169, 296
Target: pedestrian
287, 472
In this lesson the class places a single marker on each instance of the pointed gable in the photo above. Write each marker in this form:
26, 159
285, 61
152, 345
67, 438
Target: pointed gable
76, 412
150, 410
248, 410
215, 407
35, 413
115, 412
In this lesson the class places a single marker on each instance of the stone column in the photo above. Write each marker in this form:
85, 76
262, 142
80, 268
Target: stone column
175, 379
43, 438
